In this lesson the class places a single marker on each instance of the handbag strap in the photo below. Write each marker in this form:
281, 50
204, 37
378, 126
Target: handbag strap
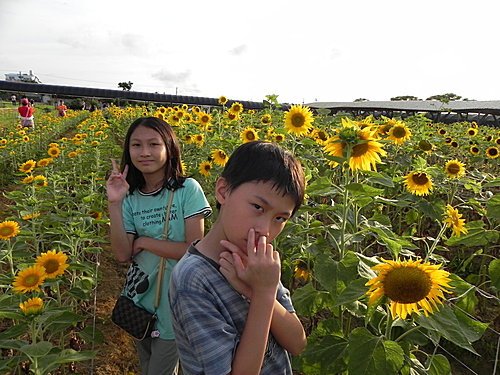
164, 236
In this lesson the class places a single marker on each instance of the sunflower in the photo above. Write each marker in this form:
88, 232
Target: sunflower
418, 183
8, 229
72, 154
454, 169
278, 138
199, 140
40, 181
425, 146
96, 215
236, 108
266, 119
205, 168
472, 132
298, 120
365, 152
497, 141
454, 144
26, 139
474, 150
44, 162
454, 220
27, 180
232, 116
27, 166
492, 152
442, 131
301, 271
410, 285
204, 118
219, 157
29, 279
399, 133
320, 136
54, 151
53, 262
249, 134
222, 100
31, 216
31, 306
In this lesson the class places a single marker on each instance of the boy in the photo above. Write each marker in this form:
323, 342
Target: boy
231, 314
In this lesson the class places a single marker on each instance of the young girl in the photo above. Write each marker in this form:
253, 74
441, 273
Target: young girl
137, 199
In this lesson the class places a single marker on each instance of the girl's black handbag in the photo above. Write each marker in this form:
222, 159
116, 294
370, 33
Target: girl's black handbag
137, 321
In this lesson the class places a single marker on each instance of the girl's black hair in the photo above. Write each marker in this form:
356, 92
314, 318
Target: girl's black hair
264, 161
174, 178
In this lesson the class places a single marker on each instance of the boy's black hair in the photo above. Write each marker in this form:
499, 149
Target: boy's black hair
265, 161
174, 177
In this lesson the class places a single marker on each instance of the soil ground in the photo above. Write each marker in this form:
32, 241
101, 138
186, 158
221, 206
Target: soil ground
116, 355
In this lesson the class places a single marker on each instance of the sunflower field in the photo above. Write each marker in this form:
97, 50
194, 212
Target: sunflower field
392, 260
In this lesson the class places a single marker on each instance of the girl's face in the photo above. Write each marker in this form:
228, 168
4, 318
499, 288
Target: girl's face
148, 151
254, 205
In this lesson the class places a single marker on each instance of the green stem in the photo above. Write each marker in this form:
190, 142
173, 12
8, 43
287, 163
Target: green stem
413, 329
388, 326
434, 244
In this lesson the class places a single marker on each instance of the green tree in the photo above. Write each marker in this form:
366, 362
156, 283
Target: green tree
445, 98
404, 97
126, 86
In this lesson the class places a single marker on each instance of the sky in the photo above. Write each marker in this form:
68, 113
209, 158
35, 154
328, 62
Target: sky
302, 51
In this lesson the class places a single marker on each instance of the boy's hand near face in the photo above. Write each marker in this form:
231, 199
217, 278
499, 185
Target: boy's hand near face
257, 271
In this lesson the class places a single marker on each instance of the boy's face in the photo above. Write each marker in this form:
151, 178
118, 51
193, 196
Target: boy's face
254, 205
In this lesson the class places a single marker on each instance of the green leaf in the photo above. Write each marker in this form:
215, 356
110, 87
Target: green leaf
327, 354
40, 349
321, 186
364, 190
380, 178
14, 331
493, 207
446, 324
54, 360
353, 291
477, 236
372, 355
308, 301
494, 272
439, 365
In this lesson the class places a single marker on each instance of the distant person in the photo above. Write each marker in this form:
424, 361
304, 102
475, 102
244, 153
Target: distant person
32, 102
61, 108
13, 99
26, 114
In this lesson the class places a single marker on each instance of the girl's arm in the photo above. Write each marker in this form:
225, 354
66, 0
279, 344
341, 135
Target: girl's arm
170, 249
116, 189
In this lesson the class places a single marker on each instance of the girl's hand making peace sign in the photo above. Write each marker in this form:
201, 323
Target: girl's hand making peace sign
117, 185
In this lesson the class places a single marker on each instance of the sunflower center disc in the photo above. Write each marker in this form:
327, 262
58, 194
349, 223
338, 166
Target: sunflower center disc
407, 285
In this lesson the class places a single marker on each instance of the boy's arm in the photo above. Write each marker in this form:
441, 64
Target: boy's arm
261, 273
285, 326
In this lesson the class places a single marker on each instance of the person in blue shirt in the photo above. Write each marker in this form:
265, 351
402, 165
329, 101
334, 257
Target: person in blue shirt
230, 312
137, 199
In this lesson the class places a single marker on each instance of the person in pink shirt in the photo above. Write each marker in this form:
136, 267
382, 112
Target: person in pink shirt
26, 114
